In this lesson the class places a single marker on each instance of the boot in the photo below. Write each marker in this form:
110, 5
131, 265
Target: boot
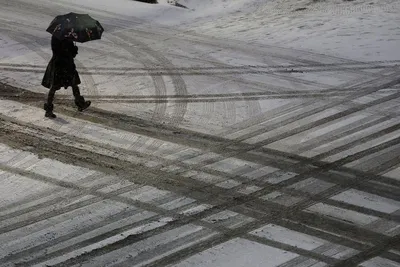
49, 111
81, 103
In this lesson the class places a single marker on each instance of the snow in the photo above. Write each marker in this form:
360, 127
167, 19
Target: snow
97, 213
343, 214
231, 165
367, 200
281, 130
349, 138
14, 188
177, 203
201, 158
149, 245
228, 184
379, 262
137, 230
359, 29
147, 194
260, 172
395, 174
239, 252
247, 190
297, 140
287, 236
196, 209
361, 147
312, 186
281, 198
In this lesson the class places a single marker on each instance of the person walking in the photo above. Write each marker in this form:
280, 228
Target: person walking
61, 72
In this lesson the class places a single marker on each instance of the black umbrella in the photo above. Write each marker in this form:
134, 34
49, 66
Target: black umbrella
76, 27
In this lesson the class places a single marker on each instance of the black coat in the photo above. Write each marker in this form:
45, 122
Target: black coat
61, 70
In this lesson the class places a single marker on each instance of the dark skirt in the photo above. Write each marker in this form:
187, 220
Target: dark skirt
60, 73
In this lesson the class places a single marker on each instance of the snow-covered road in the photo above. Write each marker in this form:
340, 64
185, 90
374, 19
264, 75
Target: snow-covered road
202, 148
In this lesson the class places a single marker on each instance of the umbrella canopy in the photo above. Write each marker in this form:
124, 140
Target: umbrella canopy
75, 27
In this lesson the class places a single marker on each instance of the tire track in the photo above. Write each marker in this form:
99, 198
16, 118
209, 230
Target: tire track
323, 121
295, 54
341, 132
285, 51
179, 84
369, 253
223, 66
24, 95
158, 81
356, 85
232, 74
160, 108
362, 140
369, 164
269, 51
227, 154
213, 72
177, 80
265, 217
370, 88
314, 170
363, 153
126, 152
35, 251
56, 196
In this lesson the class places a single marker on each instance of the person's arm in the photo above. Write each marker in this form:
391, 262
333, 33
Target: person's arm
56, 46
75, 51
72, 49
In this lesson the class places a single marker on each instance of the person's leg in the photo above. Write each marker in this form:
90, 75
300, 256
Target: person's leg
48, 107
79, 100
